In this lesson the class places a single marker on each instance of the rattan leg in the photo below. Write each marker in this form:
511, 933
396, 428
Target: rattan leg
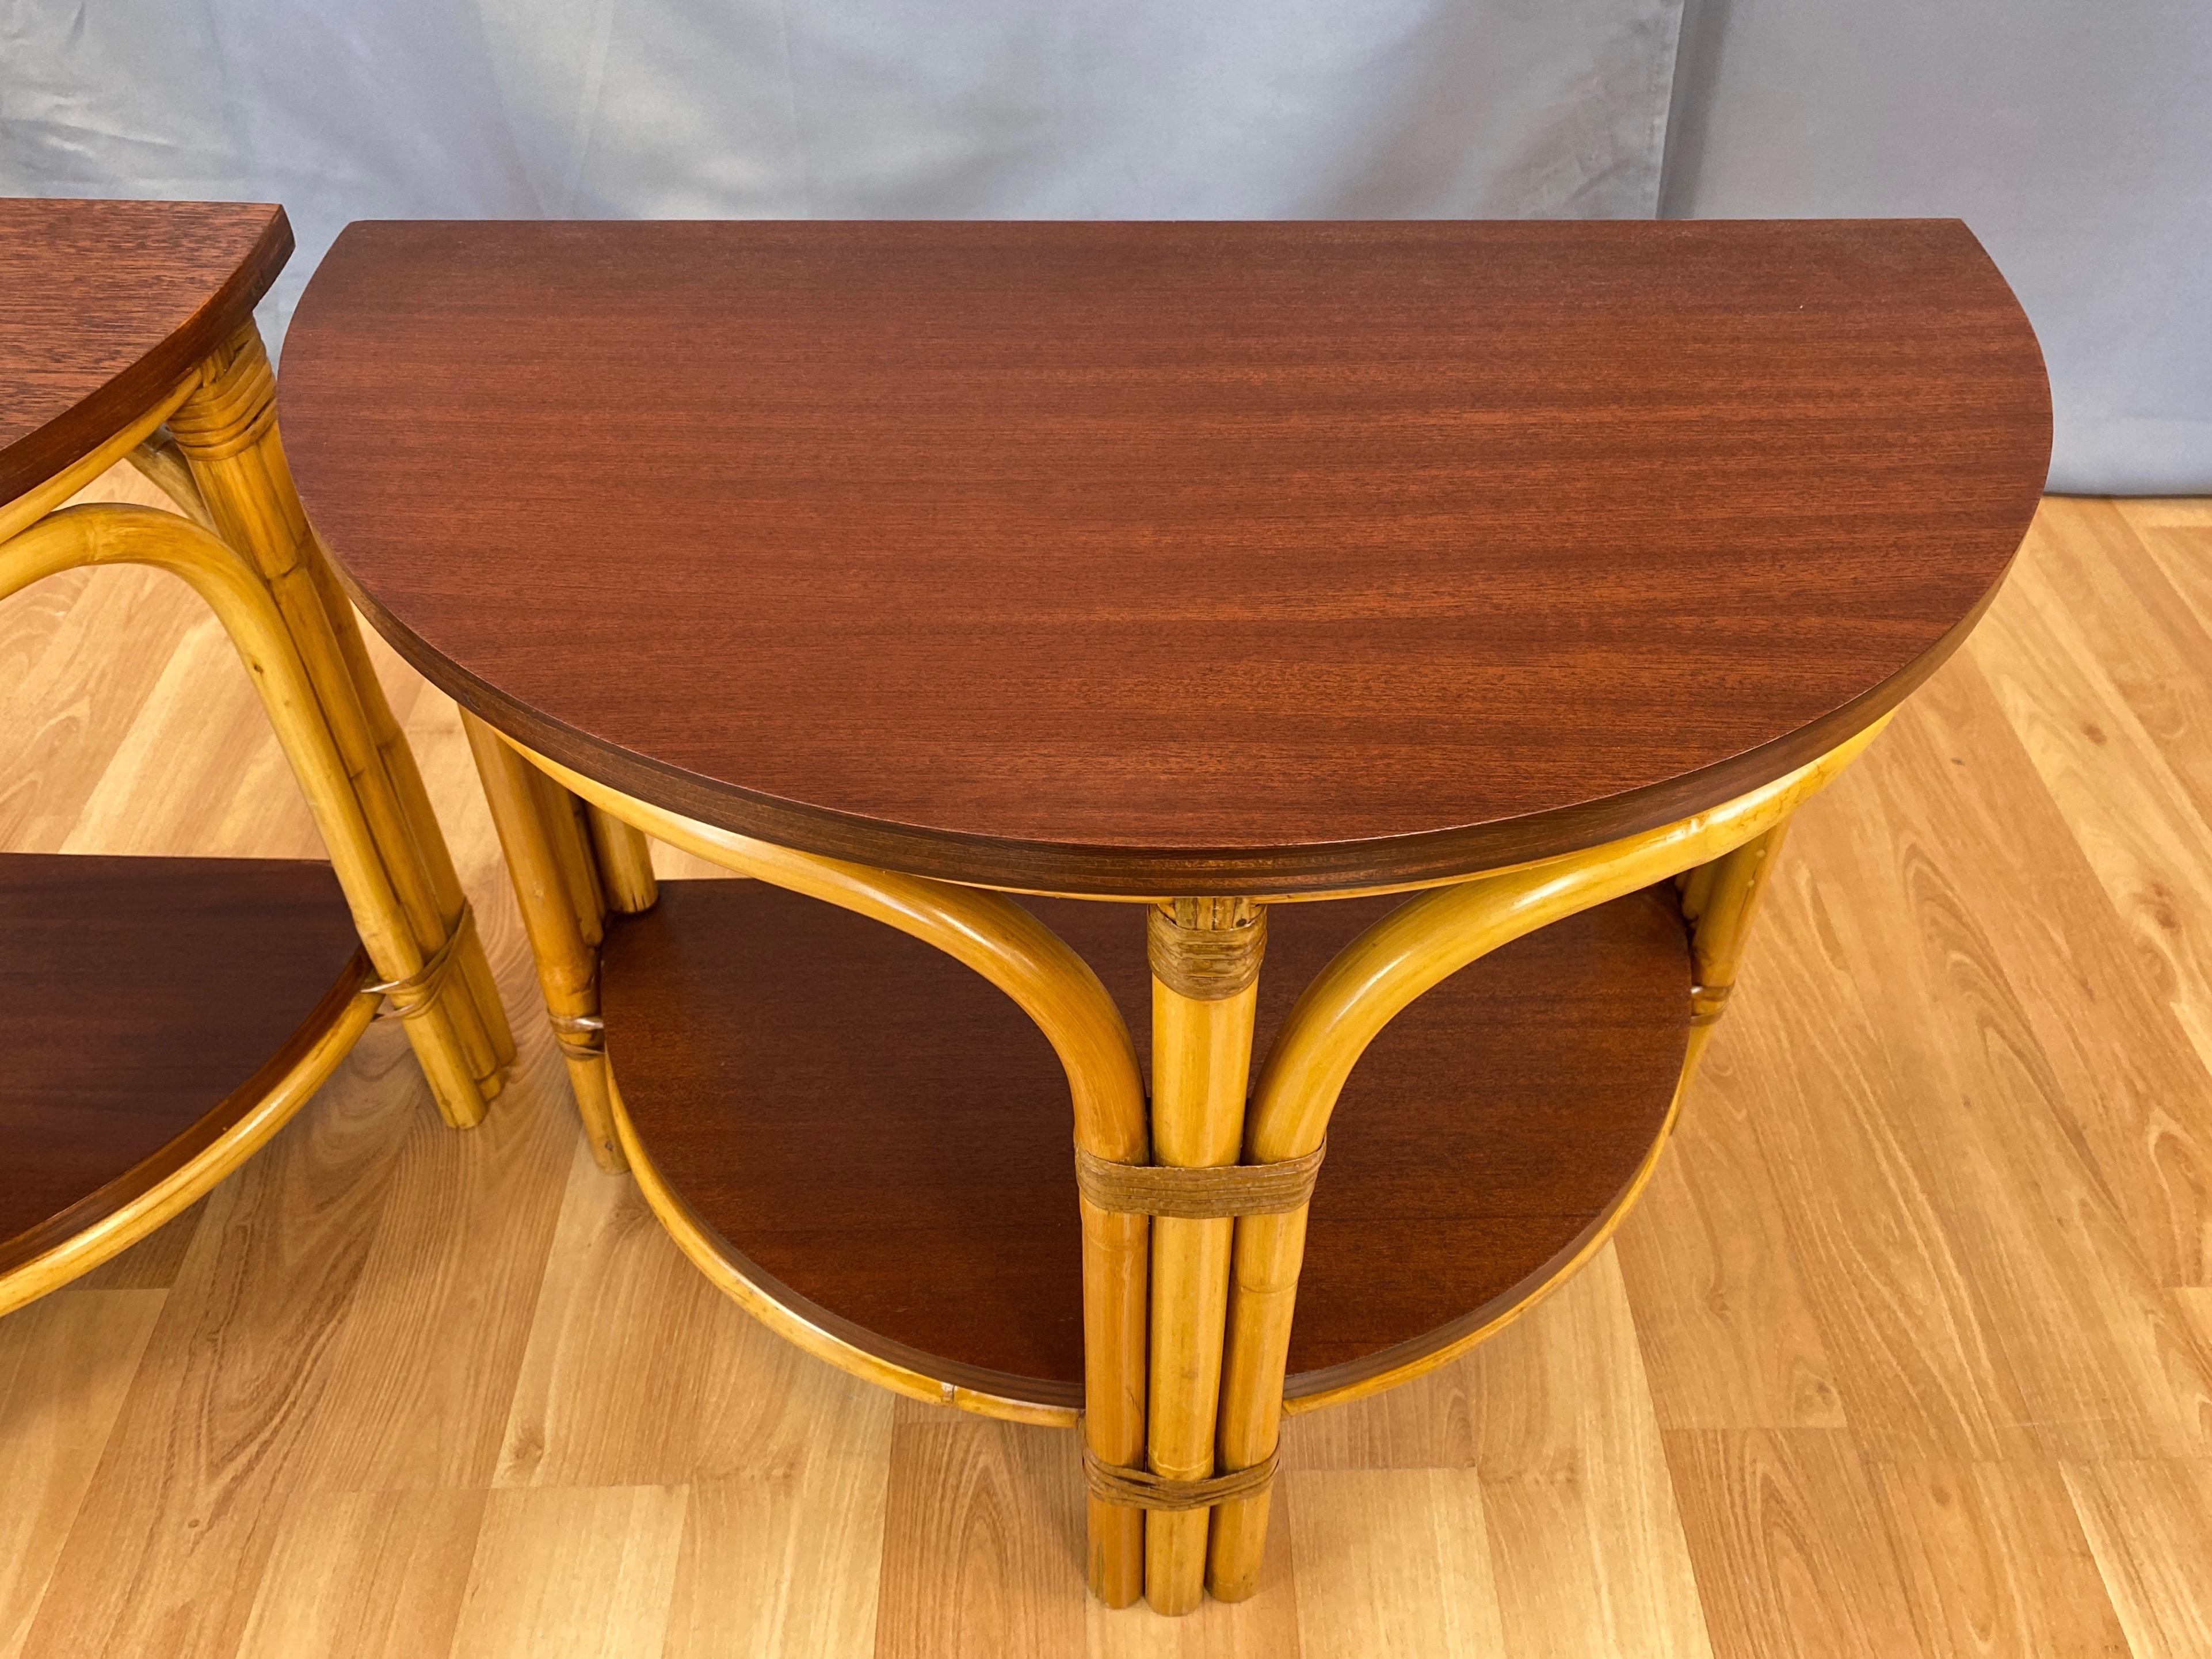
262, 636
1206, 961
226, 430
538, 832
1057, 989
427, 840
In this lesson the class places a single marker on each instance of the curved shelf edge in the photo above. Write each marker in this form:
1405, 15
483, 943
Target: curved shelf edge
812, 1327
105, 1223
937, 1381
1337, 1385
169, 1015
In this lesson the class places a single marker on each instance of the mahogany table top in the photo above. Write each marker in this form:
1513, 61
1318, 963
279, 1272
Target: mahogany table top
1187, 557
104, 305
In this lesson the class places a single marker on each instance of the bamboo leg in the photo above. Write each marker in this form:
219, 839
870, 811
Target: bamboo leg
540, 859
1116, 1260
1719, 902
625, 860
1206, 961
226, 430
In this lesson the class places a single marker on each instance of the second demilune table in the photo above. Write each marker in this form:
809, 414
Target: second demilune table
1423, 631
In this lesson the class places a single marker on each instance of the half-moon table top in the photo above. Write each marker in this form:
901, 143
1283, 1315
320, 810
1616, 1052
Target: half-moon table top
1141, 559
104, 305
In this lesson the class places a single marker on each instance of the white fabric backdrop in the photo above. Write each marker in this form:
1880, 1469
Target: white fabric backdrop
2077, 142
840, 108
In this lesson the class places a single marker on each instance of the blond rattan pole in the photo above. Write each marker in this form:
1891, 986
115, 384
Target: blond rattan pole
226, 429
1205, 955
625, 861
1057, 990
406, 779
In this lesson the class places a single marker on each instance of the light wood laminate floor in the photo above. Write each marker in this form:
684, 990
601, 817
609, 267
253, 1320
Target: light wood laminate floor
1909, 1350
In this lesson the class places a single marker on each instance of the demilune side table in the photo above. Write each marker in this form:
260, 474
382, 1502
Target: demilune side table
1451, 614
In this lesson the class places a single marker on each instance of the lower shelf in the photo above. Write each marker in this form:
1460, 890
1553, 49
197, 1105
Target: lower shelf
880, 1140
152, 1005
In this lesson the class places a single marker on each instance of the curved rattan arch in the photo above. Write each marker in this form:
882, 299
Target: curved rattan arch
1346, 1006
984, 931
92, 536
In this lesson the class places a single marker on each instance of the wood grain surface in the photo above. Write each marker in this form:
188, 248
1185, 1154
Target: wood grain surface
1936, 1205
1158, 558
153, 1003
104, 305
914, 1176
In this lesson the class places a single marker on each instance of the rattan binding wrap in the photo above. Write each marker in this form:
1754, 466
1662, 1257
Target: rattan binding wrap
1209, 1194
237, 407
1142, 1489
421, 987
1708, 1003
581, 1036
1207, 950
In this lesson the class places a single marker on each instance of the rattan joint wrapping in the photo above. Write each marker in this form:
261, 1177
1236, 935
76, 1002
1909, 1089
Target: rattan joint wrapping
1198, 952
1209, 1194
1708, 1003
580, 1036
236, 405
421, 988
1142, 1489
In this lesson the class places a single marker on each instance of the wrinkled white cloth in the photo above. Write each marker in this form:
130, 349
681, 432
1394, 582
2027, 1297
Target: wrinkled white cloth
839, 108
2077, 142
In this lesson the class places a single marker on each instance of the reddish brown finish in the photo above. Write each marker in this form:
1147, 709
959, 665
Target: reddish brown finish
103, 305
911, 1171
150, 1003
1144, 558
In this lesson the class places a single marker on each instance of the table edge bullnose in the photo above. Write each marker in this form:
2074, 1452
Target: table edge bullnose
1315, 870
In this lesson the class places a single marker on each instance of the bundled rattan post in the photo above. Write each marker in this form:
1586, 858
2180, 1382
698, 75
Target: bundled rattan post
1206, 972
226, 430
106, 534
535, 820
571, 845
161, 460
1116, 1258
